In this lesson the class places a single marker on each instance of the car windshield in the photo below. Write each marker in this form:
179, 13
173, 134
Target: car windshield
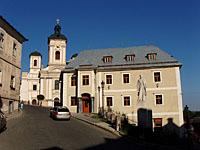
63, 110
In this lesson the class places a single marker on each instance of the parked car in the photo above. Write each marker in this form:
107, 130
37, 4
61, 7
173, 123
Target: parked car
60, 112
3, 121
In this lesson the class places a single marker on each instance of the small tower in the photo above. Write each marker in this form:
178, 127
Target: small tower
57, 43
35, 62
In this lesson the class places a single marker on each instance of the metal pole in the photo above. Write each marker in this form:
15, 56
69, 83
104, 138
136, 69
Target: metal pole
102, 85
99, 98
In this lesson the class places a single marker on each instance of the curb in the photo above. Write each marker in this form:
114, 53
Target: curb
97, 125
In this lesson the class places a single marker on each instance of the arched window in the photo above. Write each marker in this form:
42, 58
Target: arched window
35, 63
57, 55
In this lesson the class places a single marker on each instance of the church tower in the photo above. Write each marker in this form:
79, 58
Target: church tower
57, 43
35, 62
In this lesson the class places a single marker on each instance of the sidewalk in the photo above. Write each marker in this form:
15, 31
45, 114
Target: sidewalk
88, 118
14, 114
95, 121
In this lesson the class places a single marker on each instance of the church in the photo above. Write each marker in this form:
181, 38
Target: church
45, 81
119, 79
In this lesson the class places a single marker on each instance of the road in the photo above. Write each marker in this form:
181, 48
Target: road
35, 130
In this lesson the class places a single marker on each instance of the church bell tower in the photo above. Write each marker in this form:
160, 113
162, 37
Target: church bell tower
57, 43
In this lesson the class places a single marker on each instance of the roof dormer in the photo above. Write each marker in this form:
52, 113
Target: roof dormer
151, 56
130, 57
107, 59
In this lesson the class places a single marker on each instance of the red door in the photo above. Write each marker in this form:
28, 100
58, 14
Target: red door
86, 106
86, 103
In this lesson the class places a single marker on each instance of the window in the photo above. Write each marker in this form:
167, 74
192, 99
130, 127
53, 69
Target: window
127, 101
1, 77
14, 49
56, 84
57, 57
130, 57
109, 101
85, 79
107, 59
126, 78
73, 81
159, 99
157, 122
34, 87
73, 101
151, 56
1, 40
35, 62
157, 77
12, 82
108, 79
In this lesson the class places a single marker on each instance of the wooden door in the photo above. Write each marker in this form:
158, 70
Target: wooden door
86, 106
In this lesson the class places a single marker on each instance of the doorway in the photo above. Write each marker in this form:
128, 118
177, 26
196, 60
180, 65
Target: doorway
34, 102
86, 103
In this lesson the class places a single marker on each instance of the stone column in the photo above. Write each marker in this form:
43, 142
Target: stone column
92, 104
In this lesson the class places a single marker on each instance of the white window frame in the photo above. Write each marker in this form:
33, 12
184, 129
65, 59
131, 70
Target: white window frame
34, 62
36, 87
162, 100
160, 77
106, 79
75, 81
123, 100
105, 101
59, 55
123, 78
82, 79
13, 82
71, 101
55, 84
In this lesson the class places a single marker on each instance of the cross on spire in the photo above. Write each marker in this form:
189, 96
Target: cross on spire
57, 21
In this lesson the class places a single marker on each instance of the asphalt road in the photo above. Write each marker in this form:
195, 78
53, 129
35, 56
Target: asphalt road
35, 130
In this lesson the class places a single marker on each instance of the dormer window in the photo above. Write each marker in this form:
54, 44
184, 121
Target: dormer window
151, 56
107, 59
130, 57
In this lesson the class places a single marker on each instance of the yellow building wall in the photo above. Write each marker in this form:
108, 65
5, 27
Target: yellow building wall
168, 88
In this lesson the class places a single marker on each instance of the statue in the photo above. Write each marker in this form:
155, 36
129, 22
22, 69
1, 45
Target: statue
141, 89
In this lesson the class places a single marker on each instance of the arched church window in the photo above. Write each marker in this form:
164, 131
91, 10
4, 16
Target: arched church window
57, 55
35, 63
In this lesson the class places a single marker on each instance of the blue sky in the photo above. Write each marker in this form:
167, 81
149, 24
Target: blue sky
172, 25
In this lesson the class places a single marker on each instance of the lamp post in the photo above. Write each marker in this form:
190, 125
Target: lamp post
99, 88
102, 86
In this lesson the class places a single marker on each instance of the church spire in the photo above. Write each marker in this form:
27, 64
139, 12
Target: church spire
57, 32
57, 28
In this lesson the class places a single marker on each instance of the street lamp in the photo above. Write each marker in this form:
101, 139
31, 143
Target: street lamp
99, 88
102, 86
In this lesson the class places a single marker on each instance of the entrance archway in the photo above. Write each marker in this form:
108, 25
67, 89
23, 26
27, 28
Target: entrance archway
34, 102
56, 101
86, 103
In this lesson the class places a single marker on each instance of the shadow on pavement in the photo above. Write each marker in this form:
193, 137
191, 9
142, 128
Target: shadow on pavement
53, 148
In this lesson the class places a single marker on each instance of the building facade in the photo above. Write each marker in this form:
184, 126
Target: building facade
10, 66
45, 81
124, 80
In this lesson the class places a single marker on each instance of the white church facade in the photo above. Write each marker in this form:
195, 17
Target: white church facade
45, 81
